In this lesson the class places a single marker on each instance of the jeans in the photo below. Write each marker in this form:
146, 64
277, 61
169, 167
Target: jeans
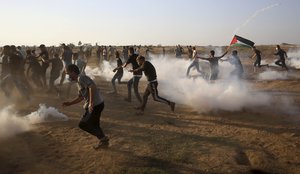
135, 82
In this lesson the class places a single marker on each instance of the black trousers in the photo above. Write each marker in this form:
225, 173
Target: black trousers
90, 122
281, 62
152, 89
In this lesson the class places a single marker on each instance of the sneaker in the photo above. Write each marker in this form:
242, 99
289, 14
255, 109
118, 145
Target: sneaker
172, 105
103, 143
127, 99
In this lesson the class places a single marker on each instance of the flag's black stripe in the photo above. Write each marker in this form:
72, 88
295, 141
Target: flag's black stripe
246, 41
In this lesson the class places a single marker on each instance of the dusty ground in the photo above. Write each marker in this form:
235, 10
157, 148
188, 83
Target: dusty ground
161, 141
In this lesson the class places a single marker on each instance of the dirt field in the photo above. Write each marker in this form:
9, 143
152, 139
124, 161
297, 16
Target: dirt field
252, 140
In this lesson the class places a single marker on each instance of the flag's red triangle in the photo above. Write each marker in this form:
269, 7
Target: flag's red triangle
234, 40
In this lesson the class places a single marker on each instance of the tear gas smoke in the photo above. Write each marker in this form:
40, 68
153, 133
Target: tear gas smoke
106, 71
273, 75
10, 123
45, 114
203, 96
294, 58
226, 93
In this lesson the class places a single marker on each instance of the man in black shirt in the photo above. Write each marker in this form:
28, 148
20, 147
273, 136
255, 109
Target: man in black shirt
150, 73
136, 76
257, 62
282, 55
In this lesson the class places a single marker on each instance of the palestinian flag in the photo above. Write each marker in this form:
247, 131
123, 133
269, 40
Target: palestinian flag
240, 41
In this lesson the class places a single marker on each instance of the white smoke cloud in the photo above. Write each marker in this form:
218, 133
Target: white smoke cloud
45, 114
294, 58
106, 71
203, 96
10, 123
273, 75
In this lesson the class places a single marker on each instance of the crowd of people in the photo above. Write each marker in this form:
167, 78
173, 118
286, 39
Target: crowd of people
26, 70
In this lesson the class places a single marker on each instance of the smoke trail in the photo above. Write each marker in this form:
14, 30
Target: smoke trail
253, 16
10, 123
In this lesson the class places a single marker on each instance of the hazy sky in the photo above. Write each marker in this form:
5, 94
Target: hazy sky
166, 22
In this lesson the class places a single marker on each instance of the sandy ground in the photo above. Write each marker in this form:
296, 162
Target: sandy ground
262, 139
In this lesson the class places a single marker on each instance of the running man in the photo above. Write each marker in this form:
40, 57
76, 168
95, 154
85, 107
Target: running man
235, 60
67, 60
282, 55
94, 105
214, 64
118, 75
195, 63
151, 88
257, 62
136, 76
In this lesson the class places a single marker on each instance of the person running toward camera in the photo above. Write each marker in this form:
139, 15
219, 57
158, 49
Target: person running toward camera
150, 73
67, 60
119, 73
195, 63
94, 105
136, 76
214, 64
